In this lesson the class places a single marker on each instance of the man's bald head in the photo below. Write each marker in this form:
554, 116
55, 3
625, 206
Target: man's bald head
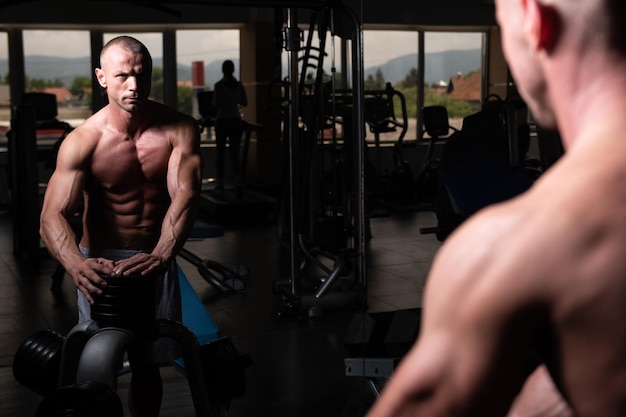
130, 44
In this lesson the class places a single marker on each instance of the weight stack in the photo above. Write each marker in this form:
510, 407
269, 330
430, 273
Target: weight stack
127, 302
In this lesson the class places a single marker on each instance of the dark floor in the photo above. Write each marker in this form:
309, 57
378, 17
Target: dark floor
298, 362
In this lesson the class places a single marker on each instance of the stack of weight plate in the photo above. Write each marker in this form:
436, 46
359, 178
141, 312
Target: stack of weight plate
126, 302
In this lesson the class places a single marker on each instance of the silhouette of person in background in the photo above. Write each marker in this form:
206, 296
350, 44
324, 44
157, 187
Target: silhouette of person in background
230, 96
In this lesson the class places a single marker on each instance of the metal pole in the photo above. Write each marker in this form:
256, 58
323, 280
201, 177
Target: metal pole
359, 136
293, 46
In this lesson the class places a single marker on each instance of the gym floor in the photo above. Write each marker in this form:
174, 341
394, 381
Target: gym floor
298, 362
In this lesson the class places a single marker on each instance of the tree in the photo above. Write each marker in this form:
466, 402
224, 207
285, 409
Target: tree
456, 108
410, 97
410, 80
157, 84
39, 84
36, 84
376, 82
380, 79
79, 85
369, 83
185, 97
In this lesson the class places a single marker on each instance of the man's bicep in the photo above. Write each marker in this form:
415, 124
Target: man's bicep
459, 357
486, 326
65, 186
185, 164
63, 192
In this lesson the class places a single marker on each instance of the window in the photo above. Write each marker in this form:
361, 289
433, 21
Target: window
58, 62
390, 59
452, 73
204, 50
5, 90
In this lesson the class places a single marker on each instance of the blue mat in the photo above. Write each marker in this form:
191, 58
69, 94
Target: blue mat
195, 315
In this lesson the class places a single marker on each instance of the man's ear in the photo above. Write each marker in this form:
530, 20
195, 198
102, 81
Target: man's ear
544, 25
101, 78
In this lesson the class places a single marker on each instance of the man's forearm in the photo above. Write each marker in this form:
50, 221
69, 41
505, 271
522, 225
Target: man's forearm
176, 227
60, 240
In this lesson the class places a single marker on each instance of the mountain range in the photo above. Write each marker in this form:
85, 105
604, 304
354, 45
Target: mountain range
439, 66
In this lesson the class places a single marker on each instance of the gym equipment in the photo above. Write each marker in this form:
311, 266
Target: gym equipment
223, 203
220, 358
325, 268
207, 109
404, 187
35, 114
34, 117
376, 342
195, 315
481, 165
226, 367
236, 202
380, 117
77, 374
392, 185
123, 303
87, 398
222, 278
437, 126
25, 205
37, 362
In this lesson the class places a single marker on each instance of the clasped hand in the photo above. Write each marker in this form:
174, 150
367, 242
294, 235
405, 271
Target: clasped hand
88, 276
139, 264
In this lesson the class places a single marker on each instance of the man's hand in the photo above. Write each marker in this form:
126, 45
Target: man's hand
87, 278
140, 264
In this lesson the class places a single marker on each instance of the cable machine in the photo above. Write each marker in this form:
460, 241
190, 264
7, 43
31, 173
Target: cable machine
322, 219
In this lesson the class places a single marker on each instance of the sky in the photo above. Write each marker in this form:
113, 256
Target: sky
210, 45
192, 45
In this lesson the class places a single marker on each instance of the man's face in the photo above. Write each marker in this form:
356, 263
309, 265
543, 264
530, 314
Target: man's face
523, 61
126, 77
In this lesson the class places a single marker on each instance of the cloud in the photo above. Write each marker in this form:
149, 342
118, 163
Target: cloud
389, 44
68, 43
207, 46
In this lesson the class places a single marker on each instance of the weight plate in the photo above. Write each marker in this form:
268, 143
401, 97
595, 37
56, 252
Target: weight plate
83, 399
